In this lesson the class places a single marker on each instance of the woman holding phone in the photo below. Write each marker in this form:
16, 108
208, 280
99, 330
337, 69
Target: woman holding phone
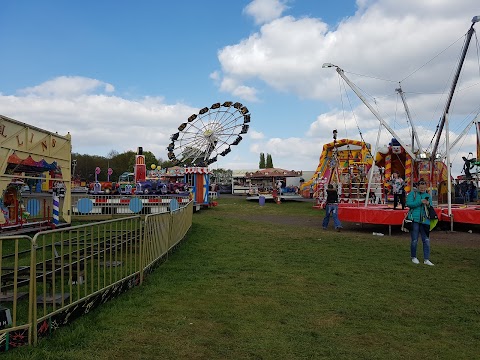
418, 201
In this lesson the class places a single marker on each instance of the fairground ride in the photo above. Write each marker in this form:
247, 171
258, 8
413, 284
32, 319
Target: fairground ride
423, 162
209, 134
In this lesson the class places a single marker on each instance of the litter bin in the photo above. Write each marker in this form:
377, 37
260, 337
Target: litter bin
261, 200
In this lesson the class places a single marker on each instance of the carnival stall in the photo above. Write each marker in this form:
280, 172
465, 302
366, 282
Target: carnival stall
28, 154
271, 183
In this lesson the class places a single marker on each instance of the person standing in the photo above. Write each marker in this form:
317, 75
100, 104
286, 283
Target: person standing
331, 208
398, 186
279, 187
418, 201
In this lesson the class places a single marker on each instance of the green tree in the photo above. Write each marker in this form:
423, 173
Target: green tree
84, 166
101, 162
118, 162
150, 159
112, 164
261, 165
269, 162
121, 163
165, 163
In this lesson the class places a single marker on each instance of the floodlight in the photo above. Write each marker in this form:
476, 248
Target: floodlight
476, 19
328, 65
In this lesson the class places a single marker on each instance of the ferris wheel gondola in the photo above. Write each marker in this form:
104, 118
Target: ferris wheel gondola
209, 134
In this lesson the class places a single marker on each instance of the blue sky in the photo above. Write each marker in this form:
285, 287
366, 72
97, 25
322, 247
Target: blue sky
122, 74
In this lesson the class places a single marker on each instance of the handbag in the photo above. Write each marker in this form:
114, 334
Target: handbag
431, 213
407, 223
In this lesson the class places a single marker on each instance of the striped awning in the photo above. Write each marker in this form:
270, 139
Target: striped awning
197, 170
28, 164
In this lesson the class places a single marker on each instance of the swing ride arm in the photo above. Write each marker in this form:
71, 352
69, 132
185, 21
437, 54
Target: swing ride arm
465, 131
454, 85
374, 112
407, 110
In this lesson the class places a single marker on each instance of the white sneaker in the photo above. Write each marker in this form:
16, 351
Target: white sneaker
428, 262
415, 261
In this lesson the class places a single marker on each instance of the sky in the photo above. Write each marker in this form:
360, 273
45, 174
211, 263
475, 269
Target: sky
120, 74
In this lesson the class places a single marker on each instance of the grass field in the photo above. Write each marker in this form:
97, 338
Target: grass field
266, 282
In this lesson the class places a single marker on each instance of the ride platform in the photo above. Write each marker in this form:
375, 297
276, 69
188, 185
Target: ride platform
380, 214
283, 197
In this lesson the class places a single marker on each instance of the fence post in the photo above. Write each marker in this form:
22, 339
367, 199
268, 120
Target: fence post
32, 311
142, 236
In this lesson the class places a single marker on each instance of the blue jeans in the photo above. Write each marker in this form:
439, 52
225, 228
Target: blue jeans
424, 233
331, 209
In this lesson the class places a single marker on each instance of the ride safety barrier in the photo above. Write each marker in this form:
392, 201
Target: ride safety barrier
94, 207
56, 276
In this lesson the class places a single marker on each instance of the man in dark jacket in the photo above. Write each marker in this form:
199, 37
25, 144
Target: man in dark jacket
331, 208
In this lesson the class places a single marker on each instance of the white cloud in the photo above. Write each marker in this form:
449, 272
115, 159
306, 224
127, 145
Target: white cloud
255, 135
284, 63
232, 86
97, 122
246, 92
67, 86
388, 40
215, 75
265, 10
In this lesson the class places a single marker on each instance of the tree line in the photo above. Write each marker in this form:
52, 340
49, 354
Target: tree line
84, 165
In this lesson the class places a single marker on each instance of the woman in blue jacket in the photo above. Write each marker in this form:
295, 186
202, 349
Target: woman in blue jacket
418, 201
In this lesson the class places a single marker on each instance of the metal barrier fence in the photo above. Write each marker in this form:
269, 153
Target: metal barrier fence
91, 206
16, 289
163, 235
59, 275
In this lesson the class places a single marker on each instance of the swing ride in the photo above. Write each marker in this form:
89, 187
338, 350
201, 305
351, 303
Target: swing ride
370, 203
203, 138
209, 134
343, 162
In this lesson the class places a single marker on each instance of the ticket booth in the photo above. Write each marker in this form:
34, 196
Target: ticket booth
198, 180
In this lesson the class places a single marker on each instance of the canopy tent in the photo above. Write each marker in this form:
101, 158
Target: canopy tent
29, 165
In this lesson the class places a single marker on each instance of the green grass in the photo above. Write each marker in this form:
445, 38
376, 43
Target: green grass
255, 282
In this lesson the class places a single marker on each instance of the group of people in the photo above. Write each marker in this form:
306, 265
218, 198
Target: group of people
465, 190
418, 201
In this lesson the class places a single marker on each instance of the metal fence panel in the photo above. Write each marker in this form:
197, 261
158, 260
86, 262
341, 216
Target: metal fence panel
62, 274
16, 291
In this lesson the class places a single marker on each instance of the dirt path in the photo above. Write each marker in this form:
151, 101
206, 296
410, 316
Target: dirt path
461, 236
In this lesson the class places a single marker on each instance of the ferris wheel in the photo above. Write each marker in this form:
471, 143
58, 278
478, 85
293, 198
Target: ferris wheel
209, 134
